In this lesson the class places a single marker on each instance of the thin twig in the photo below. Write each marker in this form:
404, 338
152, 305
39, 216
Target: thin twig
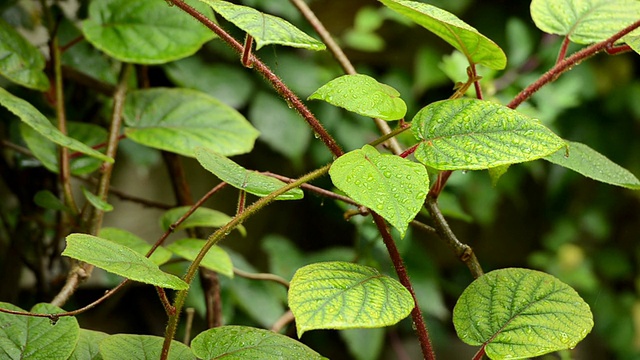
261, 276
283, 321
188, 324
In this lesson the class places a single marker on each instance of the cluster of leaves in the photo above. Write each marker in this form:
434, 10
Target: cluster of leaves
509, 313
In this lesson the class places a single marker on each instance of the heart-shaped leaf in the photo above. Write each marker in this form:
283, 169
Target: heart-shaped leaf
87, 347
144, 31
34, 118
141, 347
133, 242
120, 260
216, 258
243, 342
391, 186
476, 47
36, 338
265, 29
590, 163
521, 313
584, 21
342, 295
20, 61
469, 134
363, 95
241, 178
179, 120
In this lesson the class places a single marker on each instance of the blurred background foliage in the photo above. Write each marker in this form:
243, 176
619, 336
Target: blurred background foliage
538, 215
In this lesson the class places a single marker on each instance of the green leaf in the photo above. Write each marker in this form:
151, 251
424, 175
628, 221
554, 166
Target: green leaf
133, 242
32, 117
633, 41
392, 186
363, 95
216, 258
469, 134
520, 313
476, 47
20, 61
364, 344
36, 338
120, 260
243, 342
342, 295
584, 21
141, 347
46, 199
179, 120
96, 201
201, 217
87, 347
47, 151
265, 29
144, 31
496, 173
241, 178
590, 163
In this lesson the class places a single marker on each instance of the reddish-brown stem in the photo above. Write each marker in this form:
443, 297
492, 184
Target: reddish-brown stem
286, 93
563, 49
410, 150
401, 271
617, 49
242, 199
476, 81
246, 52
479, 354
70, 44
168, 308
438, 185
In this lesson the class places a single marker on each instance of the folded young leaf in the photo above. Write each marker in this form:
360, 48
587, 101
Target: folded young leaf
20, 61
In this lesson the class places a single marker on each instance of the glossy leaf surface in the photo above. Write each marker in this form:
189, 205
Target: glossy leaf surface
120, 260
342, 295
20, 61
216, 258
241, 178
590, 163
469, 134
144, 31
141, 347
179, 120
264, 28
243, 342
521, 313
476, 47
584, 21
363, 95
133, 242
391, 186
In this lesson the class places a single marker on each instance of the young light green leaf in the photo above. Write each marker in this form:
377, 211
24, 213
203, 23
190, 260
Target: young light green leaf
179, 120
36, 338
590, 163
243, 342
521, 313
392, 186
342, 295
470, 134
363, 95
265, 29
476, 47
34, 118
120, 260
144, 31
47, 151
87, 347
584, 21
202, 217
125, 238
141, 347
496, 173
633, 41
20, 61
216, 258
241, 178
97, 202
47, 200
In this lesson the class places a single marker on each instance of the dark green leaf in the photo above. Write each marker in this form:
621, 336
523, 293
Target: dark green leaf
341, 295
476, 47
590, 163
144, 31
20, 61
520, 313
469, 134
216, 258
36, 338
125, 238
265, 29
141, 347
32, 117
119, 260
363, 95
241, 178
202, 217
179, 120
87, 347
364, 344
46, 199
392, 186
96, 201
242, 342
